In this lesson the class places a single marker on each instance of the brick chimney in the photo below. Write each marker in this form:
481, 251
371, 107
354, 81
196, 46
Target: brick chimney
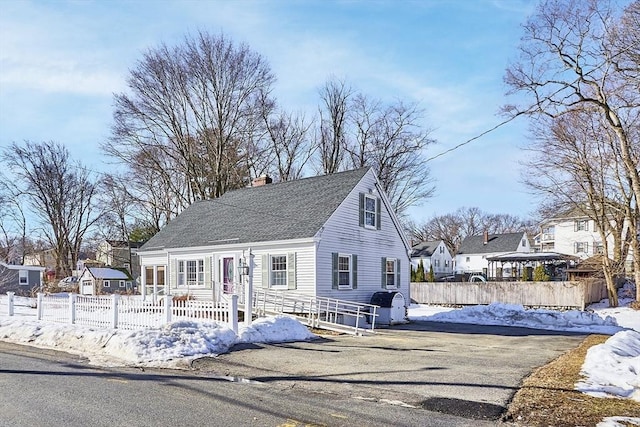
261, 180
485, 237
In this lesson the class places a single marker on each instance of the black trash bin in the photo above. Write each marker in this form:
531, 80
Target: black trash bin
392, 307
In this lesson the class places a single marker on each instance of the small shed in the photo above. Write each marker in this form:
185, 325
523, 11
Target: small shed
97, 280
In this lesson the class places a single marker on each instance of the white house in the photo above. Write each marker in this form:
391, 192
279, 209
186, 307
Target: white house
331, 236
433, 253
474, 251
573, 234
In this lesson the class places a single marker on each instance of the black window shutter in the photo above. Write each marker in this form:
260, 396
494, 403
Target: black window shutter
354, 274
334, 270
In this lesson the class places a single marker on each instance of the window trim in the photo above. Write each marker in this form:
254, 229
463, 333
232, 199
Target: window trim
23, 274
106, 283
349, 272
121, 284
370, 213
395, 274
581, 225
283, 272
183, 273
581, 247
376, 213
291, 270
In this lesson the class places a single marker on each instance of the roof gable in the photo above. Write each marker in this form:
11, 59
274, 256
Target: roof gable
425, 249
507, 242
108, 273
281, 211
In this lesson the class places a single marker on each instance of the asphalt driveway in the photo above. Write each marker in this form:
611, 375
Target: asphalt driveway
466, 370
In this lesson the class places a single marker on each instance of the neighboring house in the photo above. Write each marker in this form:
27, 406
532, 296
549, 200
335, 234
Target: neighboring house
332, 236
474, 250
44, 258
573, 234
120, 254
434, 253
19, 278
100, 280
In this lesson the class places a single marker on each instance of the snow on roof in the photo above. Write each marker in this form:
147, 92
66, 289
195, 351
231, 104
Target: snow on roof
107, 273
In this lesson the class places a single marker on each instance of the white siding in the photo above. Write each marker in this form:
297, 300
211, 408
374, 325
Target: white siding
304, 253
445, 261
343, 234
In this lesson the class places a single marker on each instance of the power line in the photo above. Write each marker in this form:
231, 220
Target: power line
475, 137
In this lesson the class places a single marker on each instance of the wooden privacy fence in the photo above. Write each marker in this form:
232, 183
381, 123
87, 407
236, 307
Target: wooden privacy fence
530, 294
131, 313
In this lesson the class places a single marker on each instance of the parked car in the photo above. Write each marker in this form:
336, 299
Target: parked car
68, 282
477, 278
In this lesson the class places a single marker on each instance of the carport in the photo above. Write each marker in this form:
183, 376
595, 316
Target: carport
518, 261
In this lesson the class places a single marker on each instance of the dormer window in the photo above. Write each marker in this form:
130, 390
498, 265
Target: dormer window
369, 211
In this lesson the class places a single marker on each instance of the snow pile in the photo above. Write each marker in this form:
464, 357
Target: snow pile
274, 329
173, 345
612, 369
517, 315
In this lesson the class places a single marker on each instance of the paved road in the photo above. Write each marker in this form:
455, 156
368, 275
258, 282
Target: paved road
465, 370
48, 388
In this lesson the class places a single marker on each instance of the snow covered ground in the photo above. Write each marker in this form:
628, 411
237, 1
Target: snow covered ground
611, 369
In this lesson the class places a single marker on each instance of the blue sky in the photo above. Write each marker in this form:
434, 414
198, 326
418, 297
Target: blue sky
61, 62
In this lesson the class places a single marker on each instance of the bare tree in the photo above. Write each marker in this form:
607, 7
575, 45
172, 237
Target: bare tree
191, 115
288, 143
335, 96
389, 138
582, 55
13, 224
572, 166
59, 191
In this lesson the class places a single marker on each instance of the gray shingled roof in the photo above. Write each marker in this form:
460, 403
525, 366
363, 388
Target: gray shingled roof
424, 249
281, 211
507, 242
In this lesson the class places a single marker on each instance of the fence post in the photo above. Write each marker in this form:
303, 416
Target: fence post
167, 308
233, 313
10, 295
72, 308
114, 308
39, 305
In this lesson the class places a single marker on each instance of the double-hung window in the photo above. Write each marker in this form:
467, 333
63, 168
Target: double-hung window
279, 271
345, 271
581, 225
106, 284
369, 211
581, 247
390, 273
23, 277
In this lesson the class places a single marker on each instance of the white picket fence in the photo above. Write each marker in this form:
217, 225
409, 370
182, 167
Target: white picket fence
127, 312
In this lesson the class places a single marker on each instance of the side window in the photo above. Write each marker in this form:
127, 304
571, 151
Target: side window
279, 271
106, 284
369, 211
390, 273
345, 271
23, 277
